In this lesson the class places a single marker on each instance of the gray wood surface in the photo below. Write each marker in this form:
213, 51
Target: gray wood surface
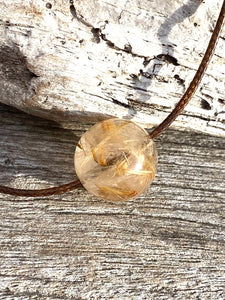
166, 244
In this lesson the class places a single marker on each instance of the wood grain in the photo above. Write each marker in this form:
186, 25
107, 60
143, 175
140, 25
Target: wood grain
167, 244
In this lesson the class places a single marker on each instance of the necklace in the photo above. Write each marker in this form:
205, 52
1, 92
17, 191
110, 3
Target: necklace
116, 159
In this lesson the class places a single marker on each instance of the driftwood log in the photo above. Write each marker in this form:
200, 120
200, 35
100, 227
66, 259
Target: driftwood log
167, 244
89, 59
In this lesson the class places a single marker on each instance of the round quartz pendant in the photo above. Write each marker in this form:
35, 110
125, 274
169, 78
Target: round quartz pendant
116, 160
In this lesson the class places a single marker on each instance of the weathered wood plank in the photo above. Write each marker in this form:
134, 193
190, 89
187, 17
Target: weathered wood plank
167, 244
131, 59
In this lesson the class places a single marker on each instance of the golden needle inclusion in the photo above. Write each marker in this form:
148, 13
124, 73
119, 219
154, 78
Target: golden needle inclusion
116, 160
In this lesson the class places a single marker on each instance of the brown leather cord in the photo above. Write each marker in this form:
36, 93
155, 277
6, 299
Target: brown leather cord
155, 133
43, 192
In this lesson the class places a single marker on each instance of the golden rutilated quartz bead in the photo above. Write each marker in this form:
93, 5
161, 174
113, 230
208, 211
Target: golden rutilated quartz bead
116, 160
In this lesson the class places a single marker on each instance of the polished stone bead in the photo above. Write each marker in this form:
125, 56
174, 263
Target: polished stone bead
116, 160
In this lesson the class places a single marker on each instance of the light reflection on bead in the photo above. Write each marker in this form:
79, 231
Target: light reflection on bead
116, 160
